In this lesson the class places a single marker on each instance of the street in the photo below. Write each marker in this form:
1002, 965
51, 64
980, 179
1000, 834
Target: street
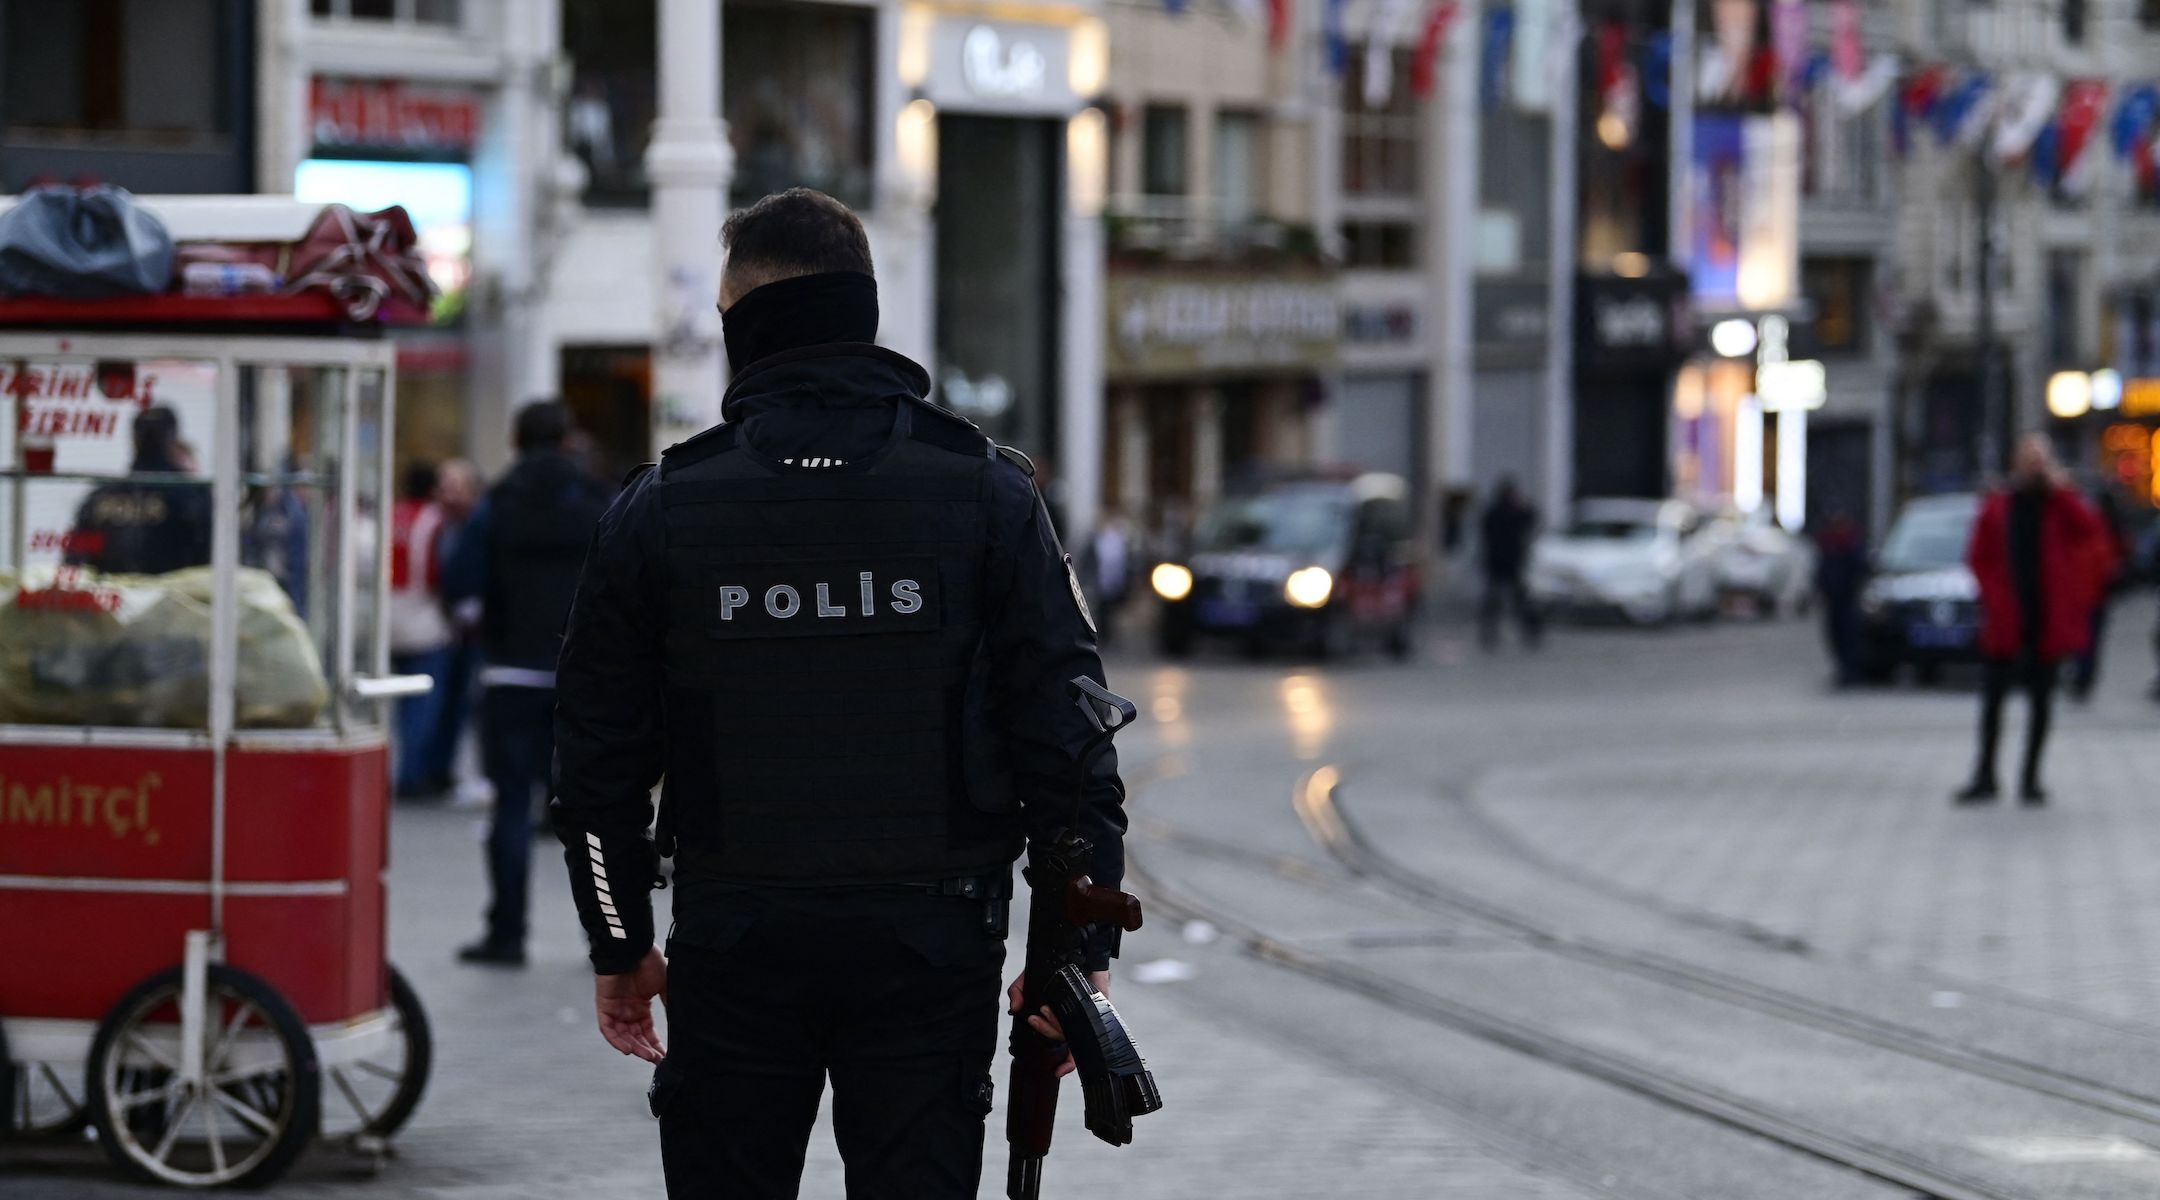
1653, 915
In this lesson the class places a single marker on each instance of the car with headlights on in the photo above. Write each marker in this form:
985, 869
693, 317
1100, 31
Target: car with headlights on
1318, 564
1921, 605
1648, 561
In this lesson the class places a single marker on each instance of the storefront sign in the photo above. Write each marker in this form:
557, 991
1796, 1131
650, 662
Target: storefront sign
1509, 319
391, 116
1744, 198
1012, 67
1629, 322
2141, 397
1168, 327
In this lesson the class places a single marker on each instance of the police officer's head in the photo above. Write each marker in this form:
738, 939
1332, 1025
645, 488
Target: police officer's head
798, 274
157, 439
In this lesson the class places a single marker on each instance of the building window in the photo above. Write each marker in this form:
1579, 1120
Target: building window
419, 12
148, 73
1379, 144
1164, 133
2074, 13
2065, 275
608, 115
1837, 290
2148, 15
798, 82
1389, 244
1240, 178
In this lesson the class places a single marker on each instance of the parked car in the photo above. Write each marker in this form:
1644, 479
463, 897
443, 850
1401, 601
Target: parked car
1321, 564
1760, 563
1921, 604
1649, 561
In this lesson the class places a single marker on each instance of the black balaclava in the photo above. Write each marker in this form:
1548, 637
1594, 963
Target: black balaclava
807, 310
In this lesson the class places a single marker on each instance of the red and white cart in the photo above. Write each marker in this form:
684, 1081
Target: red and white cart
194, 762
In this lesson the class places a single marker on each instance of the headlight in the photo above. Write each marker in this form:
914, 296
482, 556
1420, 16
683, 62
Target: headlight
1309, 588
1171, 581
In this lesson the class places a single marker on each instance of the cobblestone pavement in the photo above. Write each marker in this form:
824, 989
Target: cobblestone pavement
1675, 788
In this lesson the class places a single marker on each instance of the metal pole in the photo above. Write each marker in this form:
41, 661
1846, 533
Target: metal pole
690, 164
1994, 419
1560, 265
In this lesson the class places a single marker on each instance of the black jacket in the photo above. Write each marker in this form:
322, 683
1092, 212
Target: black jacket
833, 402
520, 555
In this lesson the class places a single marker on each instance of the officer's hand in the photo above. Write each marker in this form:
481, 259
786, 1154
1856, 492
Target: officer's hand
1047, 1024
624, 1003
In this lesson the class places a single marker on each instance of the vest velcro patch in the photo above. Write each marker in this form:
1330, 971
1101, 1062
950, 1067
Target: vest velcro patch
890, 594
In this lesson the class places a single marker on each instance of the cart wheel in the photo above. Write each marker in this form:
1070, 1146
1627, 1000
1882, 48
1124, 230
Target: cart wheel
252, 1114
47, 1105
375, 1096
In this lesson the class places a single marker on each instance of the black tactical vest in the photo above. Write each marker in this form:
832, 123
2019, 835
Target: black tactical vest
823, 623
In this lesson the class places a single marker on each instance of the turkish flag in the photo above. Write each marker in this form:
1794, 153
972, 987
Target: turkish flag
1425, 63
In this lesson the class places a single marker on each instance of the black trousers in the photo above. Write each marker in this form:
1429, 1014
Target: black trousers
1998, 675
894, 996
1506, 592
517, 748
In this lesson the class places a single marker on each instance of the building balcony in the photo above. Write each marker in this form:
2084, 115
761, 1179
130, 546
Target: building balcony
1196, 230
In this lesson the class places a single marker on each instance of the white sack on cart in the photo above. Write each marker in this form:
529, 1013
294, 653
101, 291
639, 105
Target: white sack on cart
77, 648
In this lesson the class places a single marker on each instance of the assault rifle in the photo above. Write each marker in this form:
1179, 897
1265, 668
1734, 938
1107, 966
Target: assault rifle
1063, 901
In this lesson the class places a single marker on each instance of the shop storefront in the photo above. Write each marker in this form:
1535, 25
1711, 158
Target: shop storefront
377, 142
1630, 337
1214, 379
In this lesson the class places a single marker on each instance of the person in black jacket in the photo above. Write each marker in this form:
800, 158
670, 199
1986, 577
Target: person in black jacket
146, 526
512, 575
1505, 533
841, 625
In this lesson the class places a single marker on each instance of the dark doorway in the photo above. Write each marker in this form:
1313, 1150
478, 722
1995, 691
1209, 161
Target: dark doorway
1620, 437
999, 183
608, 390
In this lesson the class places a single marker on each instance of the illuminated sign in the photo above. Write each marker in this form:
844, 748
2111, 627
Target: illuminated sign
2141, 397
387, 115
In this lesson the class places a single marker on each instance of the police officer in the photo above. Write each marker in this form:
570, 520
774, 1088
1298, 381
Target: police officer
840, 626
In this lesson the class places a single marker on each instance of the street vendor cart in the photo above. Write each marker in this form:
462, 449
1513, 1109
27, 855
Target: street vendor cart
194, 762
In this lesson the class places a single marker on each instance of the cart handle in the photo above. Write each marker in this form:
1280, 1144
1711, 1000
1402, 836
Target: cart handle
390, 687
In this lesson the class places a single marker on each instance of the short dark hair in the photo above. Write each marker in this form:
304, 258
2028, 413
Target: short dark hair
157, 435
542, 425
419, 481
795, 232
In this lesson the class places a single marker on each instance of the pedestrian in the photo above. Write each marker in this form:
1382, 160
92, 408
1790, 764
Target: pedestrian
419, 628
1109, 562
1505, 533
2085, 668
1841, 571
457, 492
841, 626
2040, 558
516, 569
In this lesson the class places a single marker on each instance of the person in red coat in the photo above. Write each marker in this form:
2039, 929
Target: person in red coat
2041, 558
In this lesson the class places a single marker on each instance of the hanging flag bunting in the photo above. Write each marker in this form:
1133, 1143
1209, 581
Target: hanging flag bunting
1619, 87
2047, 155
2028, 105
1250, 13
1388, 19
1916, 102
1176, 7
1332, 39
2135, 116
1788, 46
1432, 38
1279, 18
2084, 106
1848, 47
1961, 111
1859, 93
1814, 69
1493, 56
1657, 70
2145, 166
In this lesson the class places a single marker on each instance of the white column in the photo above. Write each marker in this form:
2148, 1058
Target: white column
1080, 399
1452, 184
690, 164
1560, 281
1207, 476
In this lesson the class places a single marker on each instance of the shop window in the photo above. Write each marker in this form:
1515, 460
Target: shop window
1837, 289
798, 83
2065, 271
1391, 244
421, 12
1379, 143
1164, 152
146, 69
